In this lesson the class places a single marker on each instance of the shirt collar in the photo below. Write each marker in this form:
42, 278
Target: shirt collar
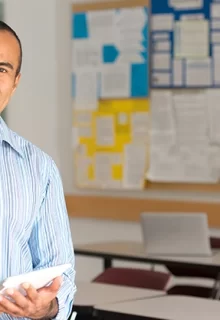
7, 136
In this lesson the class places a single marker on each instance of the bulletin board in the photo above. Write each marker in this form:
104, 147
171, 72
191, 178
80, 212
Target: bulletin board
110, 92
158, 108
185, 43
130, 131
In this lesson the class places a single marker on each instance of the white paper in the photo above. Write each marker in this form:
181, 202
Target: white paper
186, 4
86, 97
216, 64
105, 131
214, 115
82, 165
162, 46
130, 23
161, 61
191, 119
101, 25
75, 137
192, 39
135, 165
86, 54
127, 57
115, 81
184, 165
161, 78
162, 118
198, 16
215, 24
178, 72
160, 36
82, 118
215, 37
198, 73
162, 22
140, 127
215, 10
103, 169
131, 18
213, 161
84, 131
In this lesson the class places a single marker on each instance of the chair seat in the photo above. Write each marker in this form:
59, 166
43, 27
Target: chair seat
188, 290
134, 278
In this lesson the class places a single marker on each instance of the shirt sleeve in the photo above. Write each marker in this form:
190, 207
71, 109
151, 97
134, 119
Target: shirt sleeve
50, 241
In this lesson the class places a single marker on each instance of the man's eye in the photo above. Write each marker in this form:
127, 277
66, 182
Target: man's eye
2, 70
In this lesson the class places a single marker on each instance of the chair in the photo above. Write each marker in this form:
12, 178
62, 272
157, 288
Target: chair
138, 278
193, 290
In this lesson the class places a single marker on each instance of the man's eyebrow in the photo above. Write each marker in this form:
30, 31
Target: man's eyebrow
6, 64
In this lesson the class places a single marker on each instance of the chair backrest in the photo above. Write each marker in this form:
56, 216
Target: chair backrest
168, 233
138, 278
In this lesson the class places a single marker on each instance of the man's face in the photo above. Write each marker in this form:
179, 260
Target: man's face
9, 61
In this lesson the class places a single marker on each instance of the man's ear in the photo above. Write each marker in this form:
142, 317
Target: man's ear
17, 80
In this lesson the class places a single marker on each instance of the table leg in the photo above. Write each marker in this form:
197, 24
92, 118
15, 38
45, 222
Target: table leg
107, 263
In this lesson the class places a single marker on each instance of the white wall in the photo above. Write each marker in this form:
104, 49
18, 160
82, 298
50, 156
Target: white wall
41, 110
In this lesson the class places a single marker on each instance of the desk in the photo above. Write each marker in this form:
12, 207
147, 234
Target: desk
166, 308
90, 294
134, 251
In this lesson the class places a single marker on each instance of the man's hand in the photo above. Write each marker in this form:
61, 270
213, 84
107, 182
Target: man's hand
37, 304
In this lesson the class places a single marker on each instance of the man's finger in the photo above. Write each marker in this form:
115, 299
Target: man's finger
18, 298
9, 306
53, 287
31, 292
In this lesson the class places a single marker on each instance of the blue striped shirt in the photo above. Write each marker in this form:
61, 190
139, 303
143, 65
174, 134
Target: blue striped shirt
34, 228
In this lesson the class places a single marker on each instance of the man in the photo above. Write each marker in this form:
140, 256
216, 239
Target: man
34, 228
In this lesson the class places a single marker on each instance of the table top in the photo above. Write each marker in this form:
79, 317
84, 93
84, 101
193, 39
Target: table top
167, 307
91, 294
135, 251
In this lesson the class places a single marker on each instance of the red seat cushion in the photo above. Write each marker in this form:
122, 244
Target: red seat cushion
134, 278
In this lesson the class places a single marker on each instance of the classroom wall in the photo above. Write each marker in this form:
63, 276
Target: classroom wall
41, 111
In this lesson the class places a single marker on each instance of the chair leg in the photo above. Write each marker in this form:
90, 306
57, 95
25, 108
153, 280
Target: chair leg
216, 288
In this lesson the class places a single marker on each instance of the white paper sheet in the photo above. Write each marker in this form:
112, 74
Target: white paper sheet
192, 39
215, 24
216, 64
82, 118
186, 4
198, 72
140, 127
215, 37
178, 72
105, 131
135, 164
162, 22
86, 54
103, 169
191, 119
84, 131
191, 158
86, 90
161, 78
161, 61
162, 46
162, 119
101, 25
130, 18
161, 36
214, 115
196, 16
82, 178
115, 81
215, 10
